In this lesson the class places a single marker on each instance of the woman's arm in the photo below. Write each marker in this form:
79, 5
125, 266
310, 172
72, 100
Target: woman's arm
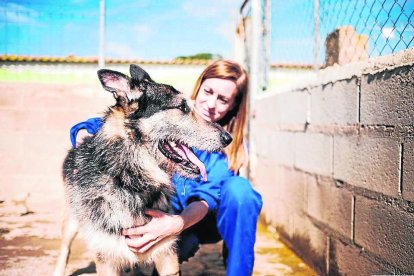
162, 225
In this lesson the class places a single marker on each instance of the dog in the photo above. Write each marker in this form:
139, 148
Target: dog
126, 168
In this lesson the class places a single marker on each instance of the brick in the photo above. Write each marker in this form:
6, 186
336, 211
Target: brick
387, 98
408, 170
335, 212
282, 109
385, 231
335, 103
371, 163
346, 259
313, 153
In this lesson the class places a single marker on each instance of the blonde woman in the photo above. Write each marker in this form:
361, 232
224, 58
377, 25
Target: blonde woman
225, 207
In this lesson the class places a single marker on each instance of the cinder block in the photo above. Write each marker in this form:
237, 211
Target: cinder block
262, 141
330, 205
264, 176
10, 96
278, 146
42, 97
387, 98
11, 153
346, 259
283, 148
40, 187
10, 164
309, 241
62, 121
48, 143
38, 165
264, 181
22, 120
313, 153
386, 231
282, 109
408, 170
11, 143
264, 111
371, 163
335, 103
284, 194
291, 188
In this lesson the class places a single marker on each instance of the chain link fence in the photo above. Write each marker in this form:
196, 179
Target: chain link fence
299, 37
324, 32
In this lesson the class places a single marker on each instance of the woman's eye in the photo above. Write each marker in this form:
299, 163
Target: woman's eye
224, 101
208, 92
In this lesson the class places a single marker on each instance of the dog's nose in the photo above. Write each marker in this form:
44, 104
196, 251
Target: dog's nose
226, 138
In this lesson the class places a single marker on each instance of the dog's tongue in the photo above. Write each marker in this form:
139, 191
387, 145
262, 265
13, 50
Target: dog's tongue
191, 156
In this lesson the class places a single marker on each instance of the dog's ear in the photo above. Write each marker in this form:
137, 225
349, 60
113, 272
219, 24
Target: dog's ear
139, 74
119, 85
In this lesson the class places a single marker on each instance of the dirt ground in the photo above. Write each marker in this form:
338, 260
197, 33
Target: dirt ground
30, 238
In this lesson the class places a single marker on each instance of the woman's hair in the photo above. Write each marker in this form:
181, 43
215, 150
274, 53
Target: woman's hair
235, 120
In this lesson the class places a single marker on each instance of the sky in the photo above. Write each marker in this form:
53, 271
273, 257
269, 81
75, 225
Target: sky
144, 29
166, 29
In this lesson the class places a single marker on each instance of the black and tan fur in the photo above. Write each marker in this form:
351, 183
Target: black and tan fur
113, 176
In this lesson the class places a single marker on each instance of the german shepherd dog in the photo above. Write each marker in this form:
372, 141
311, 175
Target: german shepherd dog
127, 166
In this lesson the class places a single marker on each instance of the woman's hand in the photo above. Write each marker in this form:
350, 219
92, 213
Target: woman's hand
162, 225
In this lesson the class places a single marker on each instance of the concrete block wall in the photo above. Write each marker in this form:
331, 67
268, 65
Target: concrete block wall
334, 162
35, 120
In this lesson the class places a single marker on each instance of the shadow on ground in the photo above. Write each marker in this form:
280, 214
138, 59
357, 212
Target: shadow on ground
29, 246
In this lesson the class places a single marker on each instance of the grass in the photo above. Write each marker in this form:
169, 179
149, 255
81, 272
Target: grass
32, 76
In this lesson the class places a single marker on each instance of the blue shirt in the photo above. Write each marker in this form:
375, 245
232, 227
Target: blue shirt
189, 190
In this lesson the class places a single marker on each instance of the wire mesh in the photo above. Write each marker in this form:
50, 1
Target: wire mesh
348, 30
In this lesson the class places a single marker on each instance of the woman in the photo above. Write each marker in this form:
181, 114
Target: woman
223, 207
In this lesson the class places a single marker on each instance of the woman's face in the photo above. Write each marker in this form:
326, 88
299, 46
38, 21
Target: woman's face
215, 98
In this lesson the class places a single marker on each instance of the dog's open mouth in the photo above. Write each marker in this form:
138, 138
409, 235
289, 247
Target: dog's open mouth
183, 156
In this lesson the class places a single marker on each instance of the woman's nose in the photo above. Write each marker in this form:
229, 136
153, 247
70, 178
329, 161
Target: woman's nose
211, 102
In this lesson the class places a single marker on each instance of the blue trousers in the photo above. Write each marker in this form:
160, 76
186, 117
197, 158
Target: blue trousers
235, 222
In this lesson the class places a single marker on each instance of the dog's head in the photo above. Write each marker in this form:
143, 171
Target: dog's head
159, 120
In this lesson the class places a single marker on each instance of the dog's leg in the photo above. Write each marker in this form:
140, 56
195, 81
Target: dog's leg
105, 268
70, 228
167, 265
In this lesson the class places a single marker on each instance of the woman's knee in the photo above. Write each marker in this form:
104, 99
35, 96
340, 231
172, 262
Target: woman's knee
238, 191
